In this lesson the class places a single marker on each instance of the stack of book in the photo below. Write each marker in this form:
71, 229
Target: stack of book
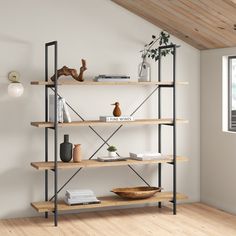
146, 156
114, 118
112, 78
80, 197
63, 114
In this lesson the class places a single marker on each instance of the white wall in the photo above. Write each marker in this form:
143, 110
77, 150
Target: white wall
110, 39
217, 147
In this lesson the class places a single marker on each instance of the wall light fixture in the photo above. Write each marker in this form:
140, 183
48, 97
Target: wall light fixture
15, 88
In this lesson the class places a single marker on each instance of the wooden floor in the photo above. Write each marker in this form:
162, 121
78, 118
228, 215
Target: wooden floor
192, 220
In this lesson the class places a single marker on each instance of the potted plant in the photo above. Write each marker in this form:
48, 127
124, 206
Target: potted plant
112, 151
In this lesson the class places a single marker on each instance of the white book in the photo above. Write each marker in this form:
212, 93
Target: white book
148, 158
114, 118
79, 192
107, 159
145, 154
82, 199
66, 114
52, 110
75, 196
79, 196
69, 202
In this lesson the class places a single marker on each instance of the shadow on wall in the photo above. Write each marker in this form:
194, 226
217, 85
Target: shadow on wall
14, 116
16, 181
10, 39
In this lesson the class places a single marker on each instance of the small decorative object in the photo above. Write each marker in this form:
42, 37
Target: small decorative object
153, 53
72, 72
136, 192
116, 111
66, 149
15, 88
112, 151
77, 157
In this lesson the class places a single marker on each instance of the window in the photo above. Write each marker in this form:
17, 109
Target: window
232, 93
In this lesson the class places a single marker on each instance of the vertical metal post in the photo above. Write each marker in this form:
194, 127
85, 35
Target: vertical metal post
54, 43
159, 117
46, 129
174, 129
229, 93
55, 136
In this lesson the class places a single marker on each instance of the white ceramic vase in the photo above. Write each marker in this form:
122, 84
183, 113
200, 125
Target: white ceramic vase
112, 154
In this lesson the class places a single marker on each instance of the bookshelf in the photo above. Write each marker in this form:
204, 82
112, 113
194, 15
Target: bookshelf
53, 204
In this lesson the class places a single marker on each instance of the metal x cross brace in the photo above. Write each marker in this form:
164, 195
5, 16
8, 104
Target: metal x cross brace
104, 141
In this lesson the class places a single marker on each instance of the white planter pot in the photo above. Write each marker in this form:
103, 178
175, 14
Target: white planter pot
112, 154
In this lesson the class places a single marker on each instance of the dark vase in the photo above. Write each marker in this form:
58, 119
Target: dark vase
66, 149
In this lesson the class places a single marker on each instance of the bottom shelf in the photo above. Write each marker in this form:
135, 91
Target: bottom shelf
110, 201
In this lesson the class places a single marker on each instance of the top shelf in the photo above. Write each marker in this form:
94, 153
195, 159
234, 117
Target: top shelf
74, 82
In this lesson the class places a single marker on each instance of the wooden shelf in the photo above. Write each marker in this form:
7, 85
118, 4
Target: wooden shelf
74, 82
40, 124
95, 164
106, 202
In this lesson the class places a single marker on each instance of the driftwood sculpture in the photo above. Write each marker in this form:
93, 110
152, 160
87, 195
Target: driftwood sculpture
83, 68
72, 72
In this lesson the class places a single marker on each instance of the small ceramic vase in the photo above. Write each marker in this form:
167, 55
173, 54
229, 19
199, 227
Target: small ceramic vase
66, 149
77, 157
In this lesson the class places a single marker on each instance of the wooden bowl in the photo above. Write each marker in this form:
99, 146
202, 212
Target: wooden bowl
136, 192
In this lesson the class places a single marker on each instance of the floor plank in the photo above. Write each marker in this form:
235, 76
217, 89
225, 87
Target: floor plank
192, 220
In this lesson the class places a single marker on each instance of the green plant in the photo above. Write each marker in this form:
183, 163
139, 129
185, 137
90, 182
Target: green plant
161, 40
111, 149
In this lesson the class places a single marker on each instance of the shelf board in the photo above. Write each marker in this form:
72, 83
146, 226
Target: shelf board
167, 121
94, 163
111, 201
74, 82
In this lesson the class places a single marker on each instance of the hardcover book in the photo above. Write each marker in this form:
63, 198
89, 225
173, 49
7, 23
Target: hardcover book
146, 156
80, 196
112, 78
108, 159
66, 114
52, 109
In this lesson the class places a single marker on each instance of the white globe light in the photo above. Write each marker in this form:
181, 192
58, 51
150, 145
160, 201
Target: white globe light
15, 89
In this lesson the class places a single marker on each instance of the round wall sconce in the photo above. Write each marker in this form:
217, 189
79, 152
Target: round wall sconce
15, 88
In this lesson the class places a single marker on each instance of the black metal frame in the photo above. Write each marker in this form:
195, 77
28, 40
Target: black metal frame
55, 128
54, 88
230, 94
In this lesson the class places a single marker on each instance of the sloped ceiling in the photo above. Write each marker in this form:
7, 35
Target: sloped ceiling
204, 24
